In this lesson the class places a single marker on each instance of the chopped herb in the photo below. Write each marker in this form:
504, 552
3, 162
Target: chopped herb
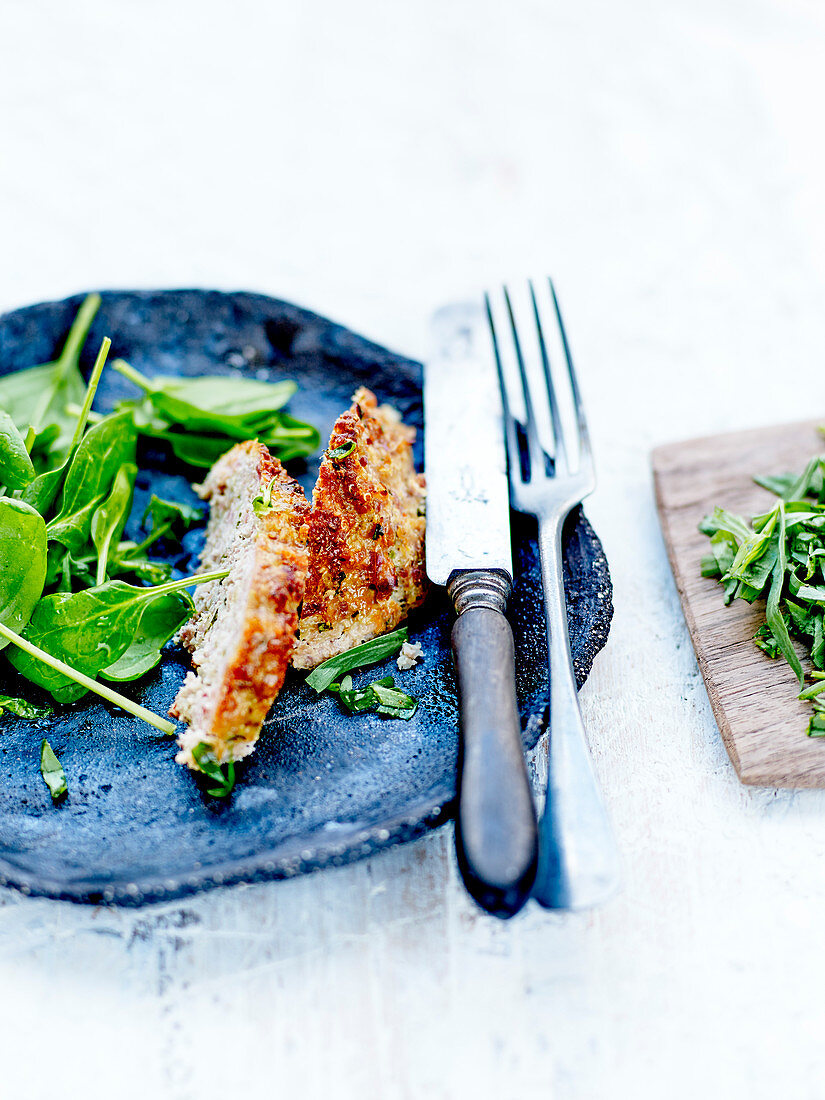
779, 557
342, 451
20, 708
321, 627
368, 653
262, 503
52, 771
208, 765
381, 696
378, 532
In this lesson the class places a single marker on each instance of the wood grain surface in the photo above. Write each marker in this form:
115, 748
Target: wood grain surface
754, 698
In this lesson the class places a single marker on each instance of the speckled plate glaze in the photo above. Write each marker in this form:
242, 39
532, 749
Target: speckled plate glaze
322, 788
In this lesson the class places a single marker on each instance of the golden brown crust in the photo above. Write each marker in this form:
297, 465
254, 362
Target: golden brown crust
366, 534
242, 636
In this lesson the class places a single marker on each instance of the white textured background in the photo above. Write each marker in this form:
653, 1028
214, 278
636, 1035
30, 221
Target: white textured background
370, 159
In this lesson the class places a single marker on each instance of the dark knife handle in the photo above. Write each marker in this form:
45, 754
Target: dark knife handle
496, 832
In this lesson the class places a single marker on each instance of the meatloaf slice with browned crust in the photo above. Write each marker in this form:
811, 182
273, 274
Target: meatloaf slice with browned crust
366, 534
242, 633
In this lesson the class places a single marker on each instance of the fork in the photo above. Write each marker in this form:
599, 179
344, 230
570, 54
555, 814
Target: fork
551, 471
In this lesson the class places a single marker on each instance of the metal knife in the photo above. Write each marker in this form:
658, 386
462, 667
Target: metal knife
468, 550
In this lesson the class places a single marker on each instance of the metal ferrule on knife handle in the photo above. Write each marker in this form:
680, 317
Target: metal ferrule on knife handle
479, 588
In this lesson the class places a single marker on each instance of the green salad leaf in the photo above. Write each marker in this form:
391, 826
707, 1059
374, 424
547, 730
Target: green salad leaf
52, 771
382, 696
368, 653
224, 780
22, 562
39, 396
92, 630
201, 418
16, 469
22, 708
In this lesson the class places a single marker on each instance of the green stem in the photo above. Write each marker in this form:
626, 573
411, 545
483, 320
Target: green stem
86, 681
187, 582
91, 389
70, 354
92, 418
814, 690
161, 531
128, 371
78, 332
31, 435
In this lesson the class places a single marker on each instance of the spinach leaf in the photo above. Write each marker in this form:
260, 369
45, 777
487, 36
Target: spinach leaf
41, 492
161, 620
22, 562
21, 708
52, 771
16, 469
87, 682
106, 447
39, 395
289, 438
211, 402
209, 766
90, 630
168, 518
127, 562
368, 653
110, 517
201, 418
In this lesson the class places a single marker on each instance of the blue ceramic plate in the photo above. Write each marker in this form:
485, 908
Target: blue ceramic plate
323, 787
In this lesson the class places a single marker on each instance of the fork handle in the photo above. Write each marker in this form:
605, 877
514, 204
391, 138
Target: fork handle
496, 831
578, 857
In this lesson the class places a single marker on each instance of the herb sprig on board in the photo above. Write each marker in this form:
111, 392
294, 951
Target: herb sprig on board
780, 557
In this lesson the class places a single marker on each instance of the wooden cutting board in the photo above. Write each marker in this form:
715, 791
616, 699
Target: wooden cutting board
754, 698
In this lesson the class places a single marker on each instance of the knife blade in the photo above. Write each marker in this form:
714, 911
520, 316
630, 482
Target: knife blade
468, 510
468, 551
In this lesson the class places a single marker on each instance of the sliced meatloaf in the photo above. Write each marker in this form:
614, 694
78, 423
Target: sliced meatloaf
366, 534
242, 633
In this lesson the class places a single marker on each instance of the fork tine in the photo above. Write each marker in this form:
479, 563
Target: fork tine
534, 447
511, 439
562, 455
585, 449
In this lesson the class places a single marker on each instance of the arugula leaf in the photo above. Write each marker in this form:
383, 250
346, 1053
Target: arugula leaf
21, 708
209, 766
368, 653
52, 771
